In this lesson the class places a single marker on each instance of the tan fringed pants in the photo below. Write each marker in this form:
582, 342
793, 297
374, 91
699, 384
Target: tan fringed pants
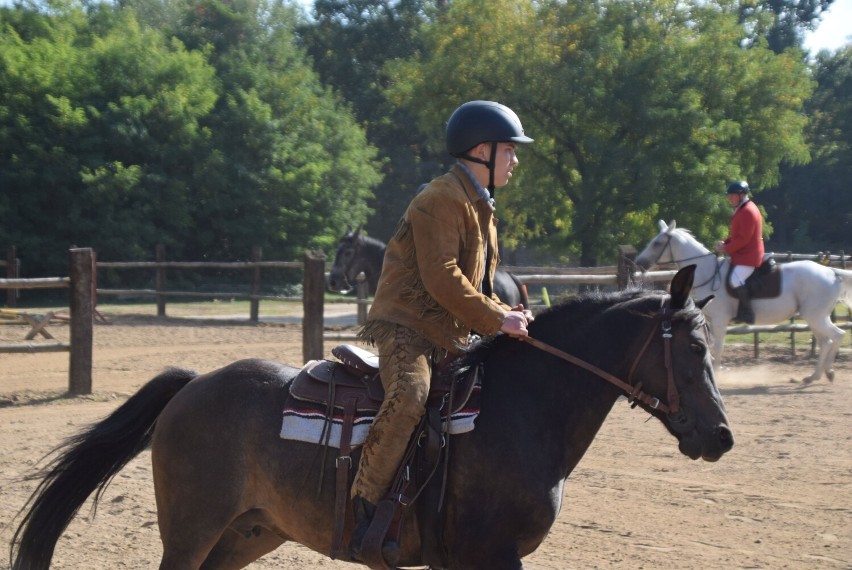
405, 366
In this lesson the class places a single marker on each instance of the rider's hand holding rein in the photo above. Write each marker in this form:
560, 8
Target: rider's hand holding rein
515, 323
527, 313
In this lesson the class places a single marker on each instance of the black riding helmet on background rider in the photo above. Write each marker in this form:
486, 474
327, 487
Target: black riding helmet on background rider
738, 187
477, 122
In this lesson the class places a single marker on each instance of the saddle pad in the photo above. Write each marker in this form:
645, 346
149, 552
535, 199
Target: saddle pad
305, 421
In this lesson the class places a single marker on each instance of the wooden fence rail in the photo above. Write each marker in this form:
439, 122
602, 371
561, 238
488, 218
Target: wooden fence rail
313, 268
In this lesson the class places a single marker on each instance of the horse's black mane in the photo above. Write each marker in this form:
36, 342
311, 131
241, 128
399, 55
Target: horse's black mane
577, 311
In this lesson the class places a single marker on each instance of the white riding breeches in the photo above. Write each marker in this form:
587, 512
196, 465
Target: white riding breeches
740, 274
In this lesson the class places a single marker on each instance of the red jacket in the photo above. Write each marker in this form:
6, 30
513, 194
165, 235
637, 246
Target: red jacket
745, 243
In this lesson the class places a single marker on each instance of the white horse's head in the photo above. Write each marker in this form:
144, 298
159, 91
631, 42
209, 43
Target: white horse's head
657, 250
671, 245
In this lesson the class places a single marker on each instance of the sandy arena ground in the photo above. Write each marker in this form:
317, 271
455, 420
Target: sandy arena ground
782, 498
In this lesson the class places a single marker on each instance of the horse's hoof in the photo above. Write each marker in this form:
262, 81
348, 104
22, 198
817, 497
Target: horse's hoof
830, 375
809, 379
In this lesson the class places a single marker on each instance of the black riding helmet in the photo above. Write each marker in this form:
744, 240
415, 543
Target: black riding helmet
477, 122
738, 187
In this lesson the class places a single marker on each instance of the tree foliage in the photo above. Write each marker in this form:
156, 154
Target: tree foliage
781, 23
216, 125
639, 109
211, 134
813, 203
350, 42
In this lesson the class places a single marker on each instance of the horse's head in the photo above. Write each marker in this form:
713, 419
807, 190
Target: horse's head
672, 363
671, 245
658, 249
341, 278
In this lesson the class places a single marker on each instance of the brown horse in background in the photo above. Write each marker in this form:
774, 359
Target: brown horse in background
230, 490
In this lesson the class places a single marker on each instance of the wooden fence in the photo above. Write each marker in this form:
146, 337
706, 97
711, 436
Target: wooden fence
312, 298
313, 288
81, 284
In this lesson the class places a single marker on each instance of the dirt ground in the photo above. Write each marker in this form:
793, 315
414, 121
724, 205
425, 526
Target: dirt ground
782, 498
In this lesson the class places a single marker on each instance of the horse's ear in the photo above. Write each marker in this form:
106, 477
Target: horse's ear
672, 225
681, 287
705, 301
662, 225
358, 231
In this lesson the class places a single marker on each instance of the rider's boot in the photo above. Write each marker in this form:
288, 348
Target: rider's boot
365, 512
745, 313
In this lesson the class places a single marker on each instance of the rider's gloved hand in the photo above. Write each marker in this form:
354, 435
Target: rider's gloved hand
515, 323
527, 313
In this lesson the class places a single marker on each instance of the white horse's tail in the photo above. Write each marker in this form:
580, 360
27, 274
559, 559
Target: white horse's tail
845, 286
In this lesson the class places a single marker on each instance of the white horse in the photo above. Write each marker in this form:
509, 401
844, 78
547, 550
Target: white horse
807, 288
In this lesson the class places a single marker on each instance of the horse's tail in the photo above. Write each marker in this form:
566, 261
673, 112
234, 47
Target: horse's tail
845, 277
87, 462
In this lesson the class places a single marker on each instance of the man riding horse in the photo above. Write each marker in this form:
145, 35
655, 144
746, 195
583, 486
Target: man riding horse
744, 244
435, 288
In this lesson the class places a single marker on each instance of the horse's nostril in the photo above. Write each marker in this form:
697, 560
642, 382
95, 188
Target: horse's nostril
726, 437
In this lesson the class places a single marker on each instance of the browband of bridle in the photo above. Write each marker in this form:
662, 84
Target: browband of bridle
633, 392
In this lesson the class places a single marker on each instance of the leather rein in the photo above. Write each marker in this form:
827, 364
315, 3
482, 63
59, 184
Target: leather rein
633, 393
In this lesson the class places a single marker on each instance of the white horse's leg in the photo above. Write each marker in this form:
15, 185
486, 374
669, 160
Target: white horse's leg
828, 340
718, 332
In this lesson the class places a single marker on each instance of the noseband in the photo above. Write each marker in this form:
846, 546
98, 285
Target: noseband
634, 393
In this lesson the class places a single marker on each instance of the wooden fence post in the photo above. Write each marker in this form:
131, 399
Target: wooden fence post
160, 257
82, 321
256, 256
624, 269
313, 297
11, 273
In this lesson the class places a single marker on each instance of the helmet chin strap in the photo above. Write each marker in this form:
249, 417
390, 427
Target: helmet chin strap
490, 163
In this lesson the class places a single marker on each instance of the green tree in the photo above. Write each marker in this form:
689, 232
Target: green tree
812, 205
288, 165
94, 133
350, 42
639, 110
781, 23
211, 135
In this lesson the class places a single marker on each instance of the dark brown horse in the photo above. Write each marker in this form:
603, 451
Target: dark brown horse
229, 490
357, 253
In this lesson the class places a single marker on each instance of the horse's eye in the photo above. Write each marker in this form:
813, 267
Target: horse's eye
696, 348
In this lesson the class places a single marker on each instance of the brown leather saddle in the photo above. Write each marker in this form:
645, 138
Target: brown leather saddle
764, 283
352, 384
355, 377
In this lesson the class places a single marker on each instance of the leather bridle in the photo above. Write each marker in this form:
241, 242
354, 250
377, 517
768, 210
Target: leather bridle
634, 393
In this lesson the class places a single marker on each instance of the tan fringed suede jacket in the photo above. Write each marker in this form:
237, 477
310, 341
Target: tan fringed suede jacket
434, 264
